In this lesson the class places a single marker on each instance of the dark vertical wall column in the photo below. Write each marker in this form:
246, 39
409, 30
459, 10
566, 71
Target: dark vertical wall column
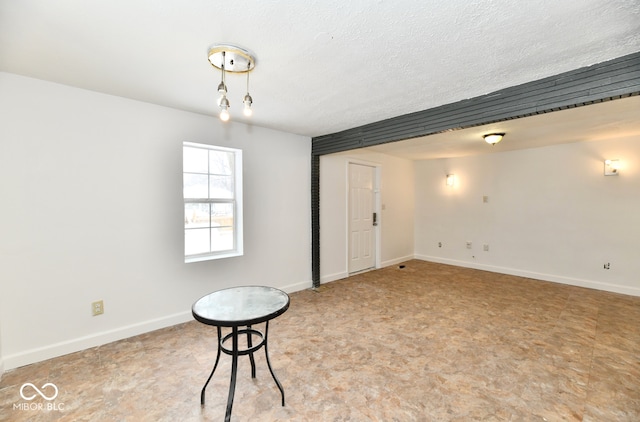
617, 78
315, 220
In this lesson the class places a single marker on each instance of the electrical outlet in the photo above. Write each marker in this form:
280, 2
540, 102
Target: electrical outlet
97, 308
485, 247
607, 266
469, 244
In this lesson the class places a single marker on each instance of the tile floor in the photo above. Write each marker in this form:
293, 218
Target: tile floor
429, 342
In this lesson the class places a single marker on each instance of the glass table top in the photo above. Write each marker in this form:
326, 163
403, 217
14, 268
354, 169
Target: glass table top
243, 305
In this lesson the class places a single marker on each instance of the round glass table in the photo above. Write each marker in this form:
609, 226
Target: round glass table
240, 307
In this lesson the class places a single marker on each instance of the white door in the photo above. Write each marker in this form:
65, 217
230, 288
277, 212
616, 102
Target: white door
361, 224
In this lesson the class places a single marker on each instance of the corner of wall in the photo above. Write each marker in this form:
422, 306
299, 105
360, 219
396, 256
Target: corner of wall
1, 359
333, 277
396, 261
295, 287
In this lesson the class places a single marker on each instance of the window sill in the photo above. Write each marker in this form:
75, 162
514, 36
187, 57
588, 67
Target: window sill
199, 258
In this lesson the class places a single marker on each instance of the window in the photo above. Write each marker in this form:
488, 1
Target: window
212, 189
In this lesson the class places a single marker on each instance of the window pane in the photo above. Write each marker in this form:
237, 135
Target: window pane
222, 215
221, 187
221, 239
194, 160
196, 215
195, 186
196, 241
220, 162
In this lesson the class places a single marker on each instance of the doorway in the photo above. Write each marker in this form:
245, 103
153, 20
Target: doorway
363, 217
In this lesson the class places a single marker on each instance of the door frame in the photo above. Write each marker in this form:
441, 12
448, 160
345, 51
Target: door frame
377, 244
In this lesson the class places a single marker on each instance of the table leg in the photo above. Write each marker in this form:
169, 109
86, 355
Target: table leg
234, 370
215, 365
250, 345
266, 352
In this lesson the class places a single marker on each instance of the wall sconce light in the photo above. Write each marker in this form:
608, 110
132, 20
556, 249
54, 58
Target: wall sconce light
451, 180
611, 167
229, 58
493, 138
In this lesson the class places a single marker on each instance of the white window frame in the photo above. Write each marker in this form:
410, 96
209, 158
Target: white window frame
238, 247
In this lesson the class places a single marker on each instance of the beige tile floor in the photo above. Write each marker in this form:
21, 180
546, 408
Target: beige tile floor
429, 342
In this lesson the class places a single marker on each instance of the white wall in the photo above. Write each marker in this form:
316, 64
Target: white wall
396, 210
1, 359
551, 215
92, 209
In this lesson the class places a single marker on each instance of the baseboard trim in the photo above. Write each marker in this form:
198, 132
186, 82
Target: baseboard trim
1, 368
397, 261
344, 274
297, 286
589, 284
333, 277
71, 346
75, 345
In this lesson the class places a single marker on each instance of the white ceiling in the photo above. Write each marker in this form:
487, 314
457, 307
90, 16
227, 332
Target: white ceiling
322, 65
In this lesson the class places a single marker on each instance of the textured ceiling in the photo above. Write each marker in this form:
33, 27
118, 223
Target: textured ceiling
322, 65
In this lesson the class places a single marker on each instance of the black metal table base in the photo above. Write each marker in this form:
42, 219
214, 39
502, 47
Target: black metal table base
234, 352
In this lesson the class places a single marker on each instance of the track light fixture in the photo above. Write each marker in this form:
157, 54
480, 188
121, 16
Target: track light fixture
229, 58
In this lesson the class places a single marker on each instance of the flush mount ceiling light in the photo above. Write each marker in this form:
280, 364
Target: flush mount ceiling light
493, 138
229, 58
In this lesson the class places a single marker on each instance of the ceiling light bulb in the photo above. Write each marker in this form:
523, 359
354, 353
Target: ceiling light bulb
224, 105
247, 101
